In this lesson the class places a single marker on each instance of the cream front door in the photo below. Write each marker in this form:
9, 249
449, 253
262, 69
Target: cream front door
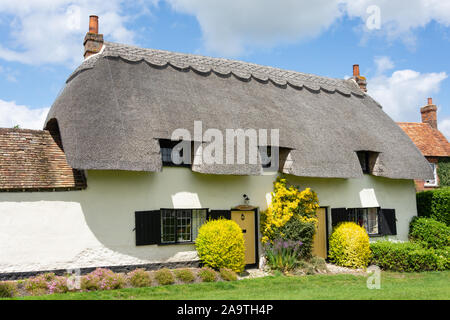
320, 238
246, 220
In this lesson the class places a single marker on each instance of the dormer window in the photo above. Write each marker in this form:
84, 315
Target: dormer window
266, 156
364, 158
434, 182
173, 153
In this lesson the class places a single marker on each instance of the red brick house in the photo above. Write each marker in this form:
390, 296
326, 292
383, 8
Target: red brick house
430, 141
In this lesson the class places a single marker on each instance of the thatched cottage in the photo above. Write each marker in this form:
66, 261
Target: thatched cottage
98, 186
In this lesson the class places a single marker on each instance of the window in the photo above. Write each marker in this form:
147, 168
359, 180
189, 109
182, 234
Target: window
363, 157
365, 217
167, 146
377, 221
266, 156
434, 182
181, 225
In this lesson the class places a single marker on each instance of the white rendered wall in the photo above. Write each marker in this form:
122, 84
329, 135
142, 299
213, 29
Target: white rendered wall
94, 227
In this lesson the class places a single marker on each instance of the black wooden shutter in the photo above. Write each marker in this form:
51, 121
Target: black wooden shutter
387, 223
339, 215
217, 214
148, 227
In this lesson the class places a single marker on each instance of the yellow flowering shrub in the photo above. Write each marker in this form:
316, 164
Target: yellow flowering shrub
287, 202
349, 246
220, 244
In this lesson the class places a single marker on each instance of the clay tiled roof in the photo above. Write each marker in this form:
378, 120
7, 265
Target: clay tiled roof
431, 142
33, 160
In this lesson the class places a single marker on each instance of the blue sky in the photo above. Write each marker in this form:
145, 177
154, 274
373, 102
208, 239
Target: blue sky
403, 51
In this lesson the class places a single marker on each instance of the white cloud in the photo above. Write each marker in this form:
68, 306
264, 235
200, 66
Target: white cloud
230, 26
398, 18
383, 64
444, 127
50, 31
12, 114
402, 92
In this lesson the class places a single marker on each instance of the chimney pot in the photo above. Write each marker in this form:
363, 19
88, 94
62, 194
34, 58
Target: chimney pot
429, 114
93, 24
361, 81
356, 70
93, 41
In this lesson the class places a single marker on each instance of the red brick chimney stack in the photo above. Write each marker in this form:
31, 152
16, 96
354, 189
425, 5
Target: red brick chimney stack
361, 81
93, 41
429, 114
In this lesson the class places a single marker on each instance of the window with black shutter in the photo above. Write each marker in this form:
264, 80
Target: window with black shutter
148, 225
376, 221
339, 215
168, 226
387, 222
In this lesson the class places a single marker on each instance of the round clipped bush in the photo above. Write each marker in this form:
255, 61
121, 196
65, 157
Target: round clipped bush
207, 274
228, 275
139, 278
430, 233
349, 246
164, 277
184, 275
220, 244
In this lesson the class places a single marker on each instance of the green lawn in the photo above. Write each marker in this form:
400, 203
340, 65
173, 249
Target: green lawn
429, 285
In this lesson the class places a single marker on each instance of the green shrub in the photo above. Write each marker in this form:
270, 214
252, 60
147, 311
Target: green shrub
220, 244
140, 278
444, 254
102, 279
228, 275
164, 277
8, 289
429, 232
349, 246
443, 172
185, 275
283, 255
435, 204
299, 231
406, 257
207, 274
440, 209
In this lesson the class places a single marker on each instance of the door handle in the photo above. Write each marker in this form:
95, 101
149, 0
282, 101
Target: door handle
244, 230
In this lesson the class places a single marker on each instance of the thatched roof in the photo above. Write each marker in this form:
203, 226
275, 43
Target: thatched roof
118, 103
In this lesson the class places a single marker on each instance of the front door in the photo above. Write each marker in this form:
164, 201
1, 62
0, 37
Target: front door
246, 220
320, 238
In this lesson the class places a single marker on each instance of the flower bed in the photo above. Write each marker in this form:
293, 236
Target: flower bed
105, 279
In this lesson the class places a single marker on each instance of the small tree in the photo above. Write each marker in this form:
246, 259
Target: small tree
287, 203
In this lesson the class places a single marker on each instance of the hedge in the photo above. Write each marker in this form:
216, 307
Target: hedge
434, 204
429, 233
408, 257
443, 172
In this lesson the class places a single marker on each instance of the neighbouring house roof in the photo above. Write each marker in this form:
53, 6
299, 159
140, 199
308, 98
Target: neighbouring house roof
431, 142
33, 160
118, 103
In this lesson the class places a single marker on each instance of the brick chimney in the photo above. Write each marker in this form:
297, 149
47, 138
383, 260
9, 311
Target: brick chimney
361, 81
429, 114
93, 41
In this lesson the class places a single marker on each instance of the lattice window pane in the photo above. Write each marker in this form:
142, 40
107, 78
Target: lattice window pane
168, 225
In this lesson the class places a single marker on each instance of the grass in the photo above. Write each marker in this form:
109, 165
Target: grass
394, 286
